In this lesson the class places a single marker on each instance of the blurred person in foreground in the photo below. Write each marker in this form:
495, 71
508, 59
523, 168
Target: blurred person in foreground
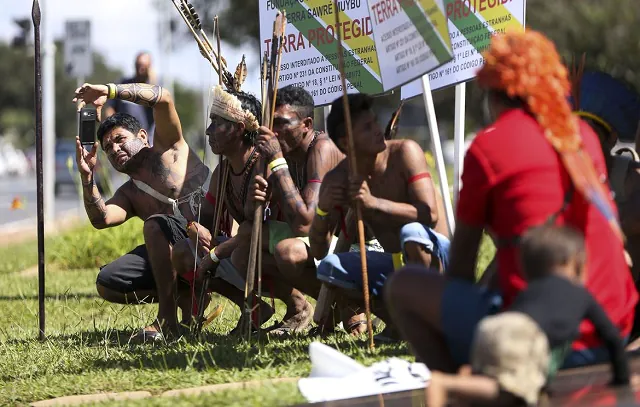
167, 183
143, 114
516, 353
536, 163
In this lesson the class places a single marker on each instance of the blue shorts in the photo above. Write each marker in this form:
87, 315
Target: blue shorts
432, 241
344, 269
586, 357
463, 305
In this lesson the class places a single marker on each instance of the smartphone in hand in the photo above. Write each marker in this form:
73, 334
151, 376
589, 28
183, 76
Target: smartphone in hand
87, 126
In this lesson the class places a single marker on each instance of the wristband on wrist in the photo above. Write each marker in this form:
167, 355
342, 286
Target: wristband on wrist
320, 212
112, 91
279, 167
276, 163
213, 256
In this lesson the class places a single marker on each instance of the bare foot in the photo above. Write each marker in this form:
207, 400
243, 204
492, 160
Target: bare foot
294, 323
356, 325
156, 333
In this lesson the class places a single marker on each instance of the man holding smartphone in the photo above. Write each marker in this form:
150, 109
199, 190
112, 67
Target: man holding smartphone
168, 182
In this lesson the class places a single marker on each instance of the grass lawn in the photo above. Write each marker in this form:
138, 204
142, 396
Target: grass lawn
87, 350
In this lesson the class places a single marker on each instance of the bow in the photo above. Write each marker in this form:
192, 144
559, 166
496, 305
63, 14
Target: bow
232, 83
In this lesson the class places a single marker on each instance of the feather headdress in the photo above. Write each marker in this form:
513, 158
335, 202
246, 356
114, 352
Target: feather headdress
526, 66
229, 107
605, 100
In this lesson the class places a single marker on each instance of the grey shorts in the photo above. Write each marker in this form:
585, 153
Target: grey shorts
132, 272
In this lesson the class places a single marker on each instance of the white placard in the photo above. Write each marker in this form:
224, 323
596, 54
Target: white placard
411, 37
78, 59
472, 23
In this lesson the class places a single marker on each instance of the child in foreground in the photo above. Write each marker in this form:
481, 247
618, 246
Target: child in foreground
516, 353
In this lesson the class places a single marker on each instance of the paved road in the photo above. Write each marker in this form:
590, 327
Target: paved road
25, 189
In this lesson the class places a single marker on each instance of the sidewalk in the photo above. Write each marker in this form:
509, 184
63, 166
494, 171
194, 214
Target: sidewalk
25, 230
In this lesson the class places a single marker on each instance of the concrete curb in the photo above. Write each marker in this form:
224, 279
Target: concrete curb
135, 395
92, 398
194, 391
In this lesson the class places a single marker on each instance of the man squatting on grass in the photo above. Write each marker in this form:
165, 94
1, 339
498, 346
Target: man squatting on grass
516, 353
398, 199
165, 188
235, 119
298, 157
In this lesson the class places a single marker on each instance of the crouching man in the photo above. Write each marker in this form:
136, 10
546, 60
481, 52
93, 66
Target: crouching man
398, 201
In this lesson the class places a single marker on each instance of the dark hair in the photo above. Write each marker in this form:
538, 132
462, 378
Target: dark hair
358, 103
124, 120
543, 248
508, 102
253, 105
298, 98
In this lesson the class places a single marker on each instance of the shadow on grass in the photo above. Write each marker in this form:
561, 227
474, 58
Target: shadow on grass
228, 352
57, 297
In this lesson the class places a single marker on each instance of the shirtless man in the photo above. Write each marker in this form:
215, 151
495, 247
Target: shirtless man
398, 202
164, 190
232, 134
300, 157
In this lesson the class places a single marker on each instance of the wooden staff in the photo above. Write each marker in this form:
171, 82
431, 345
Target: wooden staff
191, 18
223, 175
36, 17
190, 11
268, 99
354, 173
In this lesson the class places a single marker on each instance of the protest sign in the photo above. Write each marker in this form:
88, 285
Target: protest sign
419, 40
411, 37
472, 23
310, 54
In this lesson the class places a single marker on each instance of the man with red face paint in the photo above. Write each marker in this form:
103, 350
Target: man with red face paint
298, 157
168, 182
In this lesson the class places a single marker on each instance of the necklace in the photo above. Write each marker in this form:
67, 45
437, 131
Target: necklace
237, 200
246, 164
299, 173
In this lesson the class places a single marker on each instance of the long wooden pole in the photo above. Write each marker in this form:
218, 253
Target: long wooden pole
36, 17
222, 183
354, 172
268, 98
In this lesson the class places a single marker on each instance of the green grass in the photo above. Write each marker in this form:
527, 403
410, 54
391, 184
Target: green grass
87, 350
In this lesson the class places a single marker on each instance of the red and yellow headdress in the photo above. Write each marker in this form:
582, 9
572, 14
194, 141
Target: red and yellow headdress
526, 66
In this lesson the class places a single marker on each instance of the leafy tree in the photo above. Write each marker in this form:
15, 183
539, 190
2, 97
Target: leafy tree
17, 110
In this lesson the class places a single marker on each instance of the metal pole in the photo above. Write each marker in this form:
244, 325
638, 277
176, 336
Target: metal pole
36, 17
458, 140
